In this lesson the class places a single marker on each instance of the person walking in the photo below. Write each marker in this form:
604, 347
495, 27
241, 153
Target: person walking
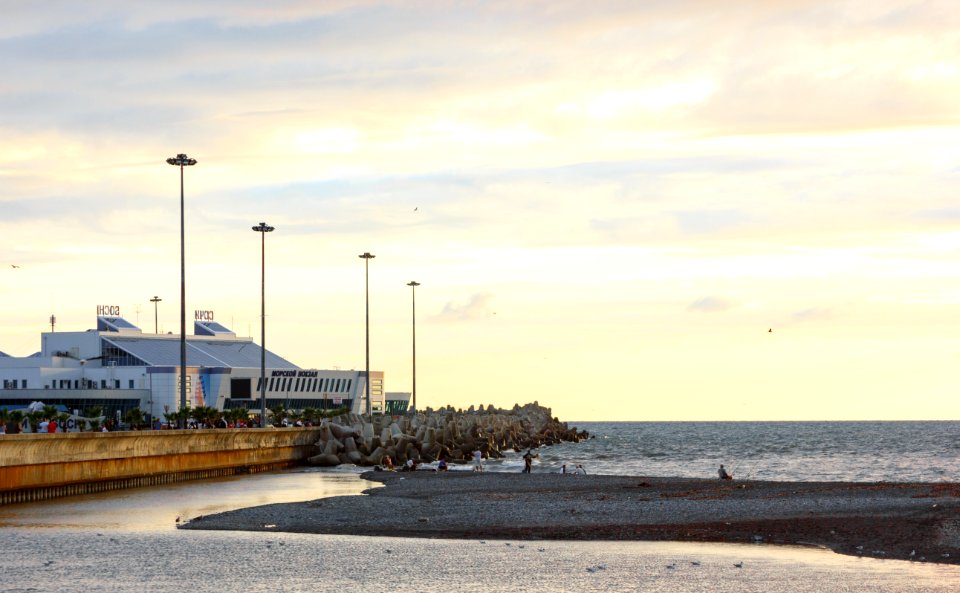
528, 461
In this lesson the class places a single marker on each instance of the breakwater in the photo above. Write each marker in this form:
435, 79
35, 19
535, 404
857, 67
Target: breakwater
41, 466
439, 434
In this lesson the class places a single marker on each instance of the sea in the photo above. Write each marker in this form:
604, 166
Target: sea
127, 541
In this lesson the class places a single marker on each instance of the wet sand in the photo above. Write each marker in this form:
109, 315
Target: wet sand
908, 521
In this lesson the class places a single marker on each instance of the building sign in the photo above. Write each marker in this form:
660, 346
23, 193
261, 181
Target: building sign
108, 311
203, 315
293, 373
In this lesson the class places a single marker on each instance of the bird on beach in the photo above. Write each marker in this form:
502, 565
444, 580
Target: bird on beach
739, 564
14, 266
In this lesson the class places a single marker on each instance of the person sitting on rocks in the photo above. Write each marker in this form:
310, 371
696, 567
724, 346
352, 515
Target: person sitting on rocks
411, 466
579, 471
388, 464
442, 465
723, 473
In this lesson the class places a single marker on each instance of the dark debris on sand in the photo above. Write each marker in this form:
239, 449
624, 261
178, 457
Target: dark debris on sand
908, 521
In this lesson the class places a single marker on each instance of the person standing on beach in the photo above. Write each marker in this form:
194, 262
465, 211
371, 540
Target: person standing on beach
477, 461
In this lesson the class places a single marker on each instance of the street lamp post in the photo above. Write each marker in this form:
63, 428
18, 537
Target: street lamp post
263, 228
413, 284
367, 257
155, 300
182, 160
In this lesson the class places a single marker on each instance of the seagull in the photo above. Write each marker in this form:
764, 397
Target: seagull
671, 566
14, 266
417, 208
739, 564
695, 563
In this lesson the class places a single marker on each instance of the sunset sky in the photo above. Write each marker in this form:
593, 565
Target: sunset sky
608, 204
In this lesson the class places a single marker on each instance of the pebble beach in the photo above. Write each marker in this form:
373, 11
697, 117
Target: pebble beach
907, 521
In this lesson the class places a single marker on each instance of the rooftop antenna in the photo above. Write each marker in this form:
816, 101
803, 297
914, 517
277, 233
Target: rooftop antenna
53, 323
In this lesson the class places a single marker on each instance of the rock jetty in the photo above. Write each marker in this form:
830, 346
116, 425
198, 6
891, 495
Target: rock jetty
438, 434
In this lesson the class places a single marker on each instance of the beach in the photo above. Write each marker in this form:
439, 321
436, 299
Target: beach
906, 521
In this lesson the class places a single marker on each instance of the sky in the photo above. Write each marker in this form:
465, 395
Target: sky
638, 210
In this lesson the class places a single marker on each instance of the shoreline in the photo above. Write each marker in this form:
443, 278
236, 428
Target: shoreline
906, 521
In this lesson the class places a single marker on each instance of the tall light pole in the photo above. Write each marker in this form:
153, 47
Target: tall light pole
413, 284
182, 160
155, 300
367, 257
263, 228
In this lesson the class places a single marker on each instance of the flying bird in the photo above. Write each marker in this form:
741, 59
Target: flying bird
14, 266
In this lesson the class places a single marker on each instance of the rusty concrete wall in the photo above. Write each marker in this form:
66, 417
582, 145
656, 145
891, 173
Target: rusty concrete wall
50, 462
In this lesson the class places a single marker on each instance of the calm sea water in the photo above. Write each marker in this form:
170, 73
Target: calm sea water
127, 541
792, 451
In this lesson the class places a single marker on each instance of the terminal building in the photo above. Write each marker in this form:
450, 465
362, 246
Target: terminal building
118, 367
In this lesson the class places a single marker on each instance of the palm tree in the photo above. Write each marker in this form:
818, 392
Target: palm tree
15, 418
277, 413
311, 415
94, 416
50, 411
135, 418
237, 415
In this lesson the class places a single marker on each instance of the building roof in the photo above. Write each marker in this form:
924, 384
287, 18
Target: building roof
208, 353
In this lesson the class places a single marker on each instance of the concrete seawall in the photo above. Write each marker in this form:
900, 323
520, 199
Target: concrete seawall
41, 466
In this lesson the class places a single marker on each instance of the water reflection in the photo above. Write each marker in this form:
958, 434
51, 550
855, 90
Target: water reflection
159, 507
126, 542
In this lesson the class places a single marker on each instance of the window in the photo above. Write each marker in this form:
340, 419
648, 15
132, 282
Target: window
131, 383
240, 388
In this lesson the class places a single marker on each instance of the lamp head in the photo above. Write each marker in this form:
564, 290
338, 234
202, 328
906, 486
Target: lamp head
182, 160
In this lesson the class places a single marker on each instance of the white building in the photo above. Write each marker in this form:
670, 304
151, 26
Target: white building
118, 367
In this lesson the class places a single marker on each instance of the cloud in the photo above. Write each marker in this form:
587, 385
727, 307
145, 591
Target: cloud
711, 304
812, 314
708, 221
478, 307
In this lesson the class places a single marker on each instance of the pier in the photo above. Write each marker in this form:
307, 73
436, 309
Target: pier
37, 467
